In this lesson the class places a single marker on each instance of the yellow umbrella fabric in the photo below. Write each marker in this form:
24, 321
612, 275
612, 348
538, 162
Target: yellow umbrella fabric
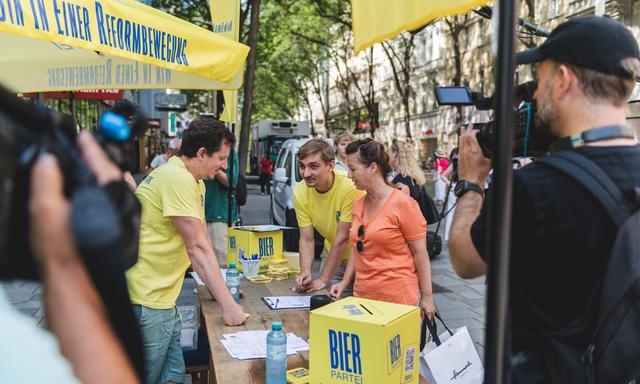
225, 16
376, 20
55, 45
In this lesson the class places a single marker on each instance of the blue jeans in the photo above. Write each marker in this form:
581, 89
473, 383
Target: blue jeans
160, 329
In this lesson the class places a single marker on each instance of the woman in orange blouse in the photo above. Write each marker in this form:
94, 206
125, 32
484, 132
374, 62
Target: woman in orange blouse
388, 231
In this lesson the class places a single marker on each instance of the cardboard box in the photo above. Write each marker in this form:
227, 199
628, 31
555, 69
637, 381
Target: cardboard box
262, 240
361, 341
293, 259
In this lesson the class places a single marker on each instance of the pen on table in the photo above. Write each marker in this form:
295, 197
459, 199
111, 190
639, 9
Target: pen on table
276, 306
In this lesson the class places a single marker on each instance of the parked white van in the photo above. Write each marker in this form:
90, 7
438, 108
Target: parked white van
285, 179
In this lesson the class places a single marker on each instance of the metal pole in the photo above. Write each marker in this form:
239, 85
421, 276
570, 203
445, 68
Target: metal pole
499, 220
231, 186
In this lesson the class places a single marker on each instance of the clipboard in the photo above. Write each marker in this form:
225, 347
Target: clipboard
287, 302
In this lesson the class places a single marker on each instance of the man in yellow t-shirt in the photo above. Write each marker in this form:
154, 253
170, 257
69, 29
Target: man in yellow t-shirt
173, 235
323, 202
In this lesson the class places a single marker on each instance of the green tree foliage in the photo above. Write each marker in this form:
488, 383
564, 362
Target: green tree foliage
292, 45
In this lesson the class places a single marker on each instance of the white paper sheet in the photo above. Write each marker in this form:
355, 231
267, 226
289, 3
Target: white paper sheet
253, 344
223, 272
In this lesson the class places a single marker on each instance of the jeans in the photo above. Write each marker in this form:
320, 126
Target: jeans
160, 329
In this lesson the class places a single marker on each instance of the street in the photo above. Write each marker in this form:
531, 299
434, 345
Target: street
460, 302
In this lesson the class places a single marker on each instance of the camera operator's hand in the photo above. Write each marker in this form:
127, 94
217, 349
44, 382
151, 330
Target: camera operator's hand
472, 165
74, 309
97, 160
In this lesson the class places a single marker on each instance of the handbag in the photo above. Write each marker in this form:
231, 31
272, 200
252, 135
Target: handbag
450, 357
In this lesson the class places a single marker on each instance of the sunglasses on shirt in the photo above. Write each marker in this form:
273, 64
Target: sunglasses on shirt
360, 243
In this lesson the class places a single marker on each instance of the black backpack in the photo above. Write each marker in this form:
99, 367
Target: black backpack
613, 355
241, 190
431, 214
427, 206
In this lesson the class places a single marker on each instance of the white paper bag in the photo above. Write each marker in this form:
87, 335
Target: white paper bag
455, 361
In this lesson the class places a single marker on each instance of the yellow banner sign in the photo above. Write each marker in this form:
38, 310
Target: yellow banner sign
110, 44
377, 20
225, 16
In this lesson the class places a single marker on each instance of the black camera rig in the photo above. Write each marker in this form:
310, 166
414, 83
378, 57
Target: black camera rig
104, 219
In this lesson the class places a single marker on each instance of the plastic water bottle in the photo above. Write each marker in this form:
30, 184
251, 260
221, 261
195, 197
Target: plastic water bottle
276, 355
233, 282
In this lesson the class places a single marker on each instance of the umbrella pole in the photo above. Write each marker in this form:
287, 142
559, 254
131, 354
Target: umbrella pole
231, 186
499, 219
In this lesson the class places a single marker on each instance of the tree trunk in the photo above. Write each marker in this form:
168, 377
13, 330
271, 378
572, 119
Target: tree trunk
407, 117
247, 106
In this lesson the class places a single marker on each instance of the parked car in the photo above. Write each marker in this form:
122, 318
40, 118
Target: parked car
285, 178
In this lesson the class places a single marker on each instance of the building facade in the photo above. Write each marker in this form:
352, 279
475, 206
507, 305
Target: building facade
432, 64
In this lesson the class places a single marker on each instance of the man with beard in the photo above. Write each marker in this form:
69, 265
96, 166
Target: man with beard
561, 237
323, 202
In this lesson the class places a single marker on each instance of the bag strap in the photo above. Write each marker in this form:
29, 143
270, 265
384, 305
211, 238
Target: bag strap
590, 176
433, 330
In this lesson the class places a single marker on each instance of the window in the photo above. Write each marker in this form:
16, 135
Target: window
287, 166
553, 10
280, 160
297, 172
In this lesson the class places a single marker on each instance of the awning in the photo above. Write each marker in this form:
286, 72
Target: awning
376, 20
52, 45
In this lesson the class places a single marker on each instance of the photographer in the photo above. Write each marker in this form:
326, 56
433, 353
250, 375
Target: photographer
75, 314
561, 238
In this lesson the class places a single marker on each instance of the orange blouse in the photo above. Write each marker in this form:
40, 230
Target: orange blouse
386, 269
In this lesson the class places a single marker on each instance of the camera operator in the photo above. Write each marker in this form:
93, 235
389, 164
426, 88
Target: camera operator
560, 236
75, 314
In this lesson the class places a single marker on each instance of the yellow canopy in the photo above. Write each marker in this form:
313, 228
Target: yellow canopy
377, 20
225, 16
56, 45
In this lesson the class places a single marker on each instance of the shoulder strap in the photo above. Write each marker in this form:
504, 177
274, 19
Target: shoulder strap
593, 179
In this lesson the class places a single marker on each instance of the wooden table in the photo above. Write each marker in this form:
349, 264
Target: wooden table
225, 369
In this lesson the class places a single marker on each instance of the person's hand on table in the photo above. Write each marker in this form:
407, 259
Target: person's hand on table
302, 282
312, 286
337, 289
427, 307
316, 285
234, 315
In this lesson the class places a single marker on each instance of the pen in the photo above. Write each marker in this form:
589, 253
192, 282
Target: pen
276, 306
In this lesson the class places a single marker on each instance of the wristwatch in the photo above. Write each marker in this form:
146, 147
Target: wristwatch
464, 186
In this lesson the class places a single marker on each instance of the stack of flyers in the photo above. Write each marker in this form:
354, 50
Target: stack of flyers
253, 344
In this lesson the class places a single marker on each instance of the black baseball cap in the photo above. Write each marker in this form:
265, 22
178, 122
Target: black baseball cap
591, 42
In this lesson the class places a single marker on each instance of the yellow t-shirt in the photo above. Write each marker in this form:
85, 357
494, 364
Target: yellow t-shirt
323, 211
171, 190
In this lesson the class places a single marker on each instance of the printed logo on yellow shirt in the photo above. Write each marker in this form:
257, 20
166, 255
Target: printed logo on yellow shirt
337, 216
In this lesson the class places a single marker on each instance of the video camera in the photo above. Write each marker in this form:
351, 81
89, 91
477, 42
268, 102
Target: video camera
104, 219
531, 139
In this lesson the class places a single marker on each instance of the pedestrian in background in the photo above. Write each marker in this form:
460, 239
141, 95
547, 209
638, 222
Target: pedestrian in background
161, 159
216, 209
404, 162
449, 177
266, 168
340, 142
389, 258
441, 165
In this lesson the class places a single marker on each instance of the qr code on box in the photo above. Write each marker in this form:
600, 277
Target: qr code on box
409, 361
